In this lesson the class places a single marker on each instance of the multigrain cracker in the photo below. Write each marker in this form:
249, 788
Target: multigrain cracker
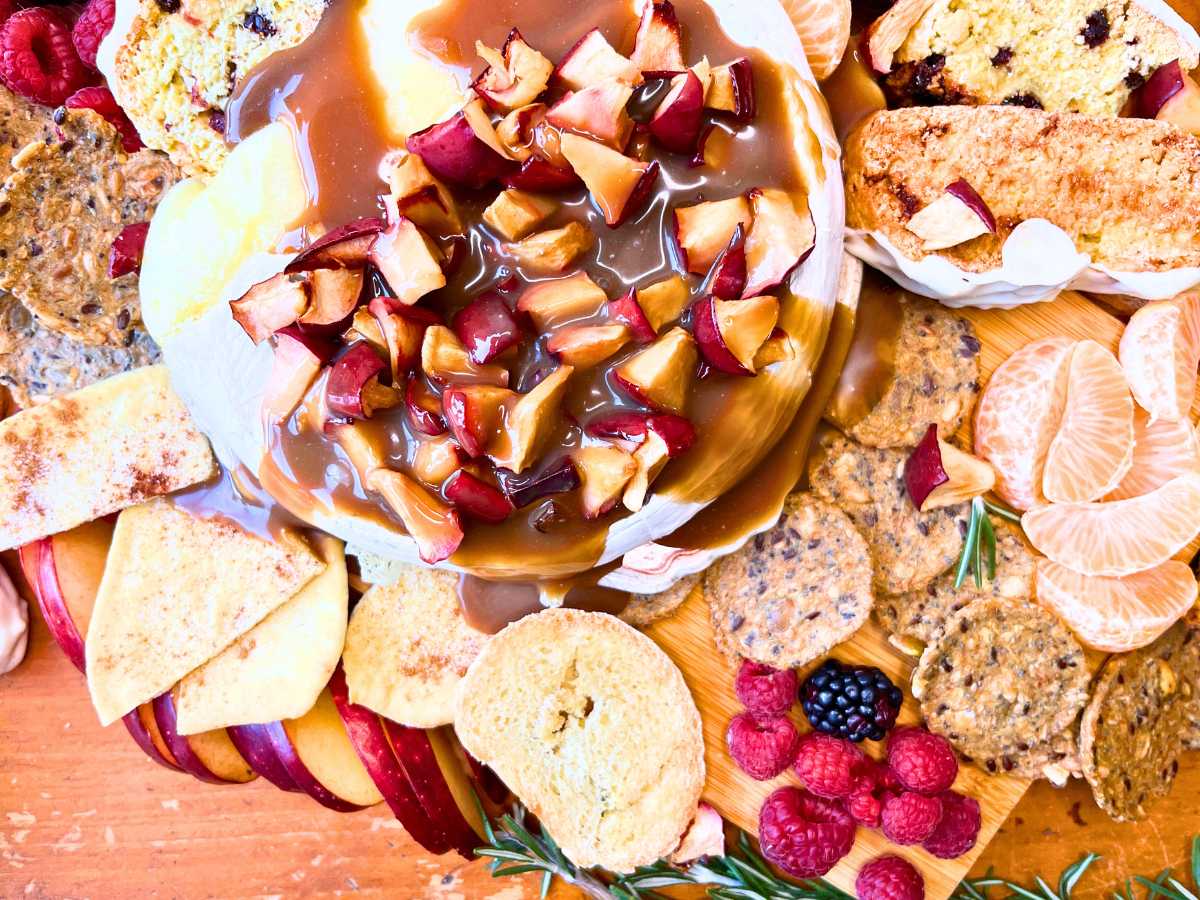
59, 213
21, 123
922, 614
1056, 759
646, 609
794, 592
1003, 677
909, 548
1130, 739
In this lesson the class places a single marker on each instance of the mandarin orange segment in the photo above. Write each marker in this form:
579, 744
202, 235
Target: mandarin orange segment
1119, 538
1117, 614
1160, 351
1161, 451
1093, 449
824, 29
1018, 416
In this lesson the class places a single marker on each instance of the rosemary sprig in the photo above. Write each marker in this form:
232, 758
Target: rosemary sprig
977, 888
979, 546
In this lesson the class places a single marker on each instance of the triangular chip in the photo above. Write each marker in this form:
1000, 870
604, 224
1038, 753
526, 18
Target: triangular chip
94, 452
177, 590
278, 668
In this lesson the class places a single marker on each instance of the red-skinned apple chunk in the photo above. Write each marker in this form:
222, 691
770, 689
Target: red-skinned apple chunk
550, 252
597, 112
293, 371
342, 248
516, 131
649, 460
270, 305
423, 408
477, 498
727, 278
677, 122
705, 229
530, 422
487, 328
661, 375
433, 524
436, 459
333, 295
353, 388
516, 75
585, 346
464, 149
1170, 95
403, 331
474, 413
957, 216
887, 33
445, 359
554, 303
628, 311
658, 46
408, 261
730, 332
664, 302
515, 214
418, 195
938, 474
592, 61
782, 236
619, 184
731, 90
604, 471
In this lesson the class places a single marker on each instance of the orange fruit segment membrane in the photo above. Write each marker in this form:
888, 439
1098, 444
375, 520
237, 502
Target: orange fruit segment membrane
1119, 538
1117, 614
1160, 352
1019, 415
1161, 451
824, 29
1093, 449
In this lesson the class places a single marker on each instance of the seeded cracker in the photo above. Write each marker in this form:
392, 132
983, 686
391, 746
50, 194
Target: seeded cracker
21, 123
646, 609
794, 592
1131, 735
909, 548
37, 364
1004, 677
59, 213
922, 614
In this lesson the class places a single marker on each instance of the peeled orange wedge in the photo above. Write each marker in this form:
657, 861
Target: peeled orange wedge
1161, 451
824, 29
1119, 538
1093, 449
1160, 352
1019, 415
1117, 614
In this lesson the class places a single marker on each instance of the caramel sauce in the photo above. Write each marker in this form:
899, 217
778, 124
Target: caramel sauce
852, 91
238, 497
488, 606
871, 362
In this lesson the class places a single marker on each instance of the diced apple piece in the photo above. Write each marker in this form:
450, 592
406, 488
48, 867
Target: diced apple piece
661, 375
554, 303
619, 185
408, 260
649, 459
342, 248
360, 447
423, 408
464, 149
445, 359
1170, 95
704, 230
731, 90
436, 459
938, 474
728, 276
347, 390
778, 348
628, 311
887, 33
604, 472
781, 238
664, 301
515, 214
434, 525
548, 252
730, 332
542, 176
365, 327
403, 330
677, 121
334, 293
516, 75
487, 328
516, 130
597, 112
477, 498
474, 414
293, 371
676, 432
704, 837
271, 305
593, 61
530, 422
585, 346
958, 216
658, 47
418, 195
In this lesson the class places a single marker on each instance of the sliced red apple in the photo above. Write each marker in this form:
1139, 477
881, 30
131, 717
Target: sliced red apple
424, 410
437, 783
677, 122
649, 460
37, 562
436, 459
704, 230
604, 473
403, 330
597, 112
1170, 95
957, 216
516, 74
628, 311
464, 149
530, 422
271, 305
139, 723
210, 756
619, 185
729, 274
349, 388
782, 237
542, 176
431, 523
333, 295
658, 47
887, 33
408, 261
477, 498
730, 332
515, 214
445, 359
552, 304
593, 61
342, 248
585, 346
516, 131
560, 477
731, 90
661, 375
253, 742
676, 432
664, 302
293, 371
938, 474
487, 328
550, 252
474, 414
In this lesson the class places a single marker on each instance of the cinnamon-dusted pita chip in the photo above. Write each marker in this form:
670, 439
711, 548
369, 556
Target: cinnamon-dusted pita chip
94, 452
177, 590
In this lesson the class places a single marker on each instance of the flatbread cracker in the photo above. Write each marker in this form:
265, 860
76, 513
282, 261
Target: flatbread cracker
60, 211
21, 123
176, 591
794, 592
646, 609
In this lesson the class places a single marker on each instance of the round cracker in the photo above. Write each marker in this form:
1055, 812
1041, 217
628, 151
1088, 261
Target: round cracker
792, 593
646, 609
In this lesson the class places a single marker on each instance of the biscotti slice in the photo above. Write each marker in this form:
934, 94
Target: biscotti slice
1105, 204
1061, 55
593, 728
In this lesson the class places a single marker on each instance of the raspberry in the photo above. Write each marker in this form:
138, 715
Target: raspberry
921, 761
827, 766
762, 748
765, 692
864, 807
93, 24
889, 878
909, 818
100, 99
37, 59
958, 830
852, 702
802, 834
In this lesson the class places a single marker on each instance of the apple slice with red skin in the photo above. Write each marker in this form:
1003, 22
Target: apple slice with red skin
436, 459
445, 359
253, 742
293, 370
560, 477
658, 47
552, 304
185, 754
464, 149
604, 472
592, 61
434, 525
333, 295
142, 728
704, 230
781, 238
731, 90
271, 305
661, 375
728, 276
539, 175
957, 216
649, 460
586, 346
619, 185
474, 413
676, 432
597, 112
628, 311
730, 332
516, 74
677, 122
516, 131
530, 422
408, 261
938, 474
402, 329
347, 389
343, 248
487, 328
664, 301
430, 779
1170, 95
289, 758
37, 562
423, 409
477, 498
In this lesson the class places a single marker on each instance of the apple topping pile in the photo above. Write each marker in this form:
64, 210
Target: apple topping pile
525, 381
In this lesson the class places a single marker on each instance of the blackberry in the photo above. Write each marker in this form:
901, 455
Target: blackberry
855, 703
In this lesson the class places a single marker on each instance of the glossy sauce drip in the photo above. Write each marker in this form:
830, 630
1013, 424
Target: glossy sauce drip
488, 606
238, 497
852, 90
871, 363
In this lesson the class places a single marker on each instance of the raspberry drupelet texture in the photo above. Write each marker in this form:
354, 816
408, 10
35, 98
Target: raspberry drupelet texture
889, 878
958, 829
38, 59
909, 818
829, 767
804, 835
921, 761
99, 98
765, 692
762, 748
94, 22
